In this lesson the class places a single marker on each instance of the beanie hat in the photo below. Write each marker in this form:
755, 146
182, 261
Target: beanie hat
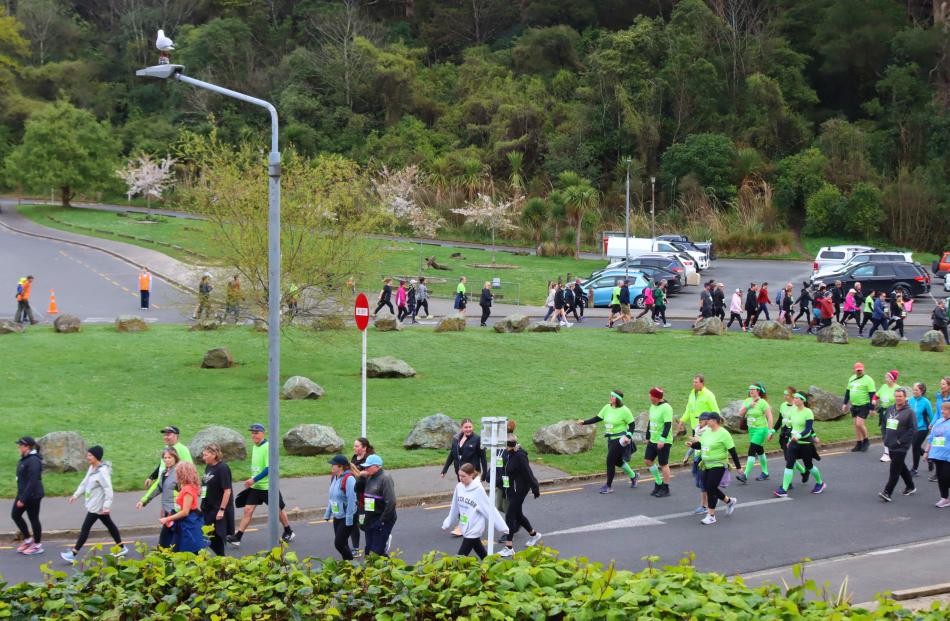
96, 451
656, 393
893, 373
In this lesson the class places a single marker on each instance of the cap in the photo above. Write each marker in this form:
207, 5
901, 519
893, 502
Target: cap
656, 392
893, 373
858, 366
339, 460
709, 416
26, 441
738, 290
373, 460
171, 429
256, 427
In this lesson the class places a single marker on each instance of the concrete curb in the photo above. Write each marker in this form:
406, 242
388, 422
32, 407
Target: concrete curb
925, 591
419, 500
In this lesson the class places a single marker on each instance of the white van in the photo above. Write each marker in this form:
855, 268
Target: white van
617, 248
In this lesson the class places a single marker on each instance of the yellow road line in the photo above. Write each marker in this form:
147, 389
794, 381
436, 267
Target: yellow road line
319, 522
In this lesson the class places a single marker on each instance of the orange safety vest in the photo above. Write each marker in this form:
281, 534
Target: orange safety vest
25, 295
145, 281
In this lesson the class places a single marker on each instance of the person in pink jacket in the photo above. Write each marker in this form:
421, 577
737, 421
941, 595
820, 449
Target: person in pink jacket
648, 304
735, 310
401, 301
850, 308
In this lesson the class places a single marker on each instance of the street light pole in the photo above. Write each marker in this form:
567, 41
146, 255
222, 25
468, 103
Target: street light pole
626, 225
653, 205
273, 284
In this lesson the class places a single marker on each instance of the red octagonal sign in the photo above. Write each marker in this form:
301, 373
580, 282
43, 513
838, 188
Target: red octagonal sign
361, 312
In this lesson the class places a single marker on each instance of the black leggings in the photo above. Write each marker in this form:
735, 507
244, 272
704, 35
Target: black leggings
355, 536
514, 516
419, 306
486, 311
386, 303
943, 477
900, 326
472, 544
898, 469
802, 312
341, 537
660, 311
919, 438
403, 313
617, 455
796, 451
32, 510
711, 479
734, 317
91, 518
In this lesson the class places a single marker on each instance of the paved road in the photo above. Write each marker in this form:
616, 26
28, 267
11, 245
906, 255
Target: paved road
764, 533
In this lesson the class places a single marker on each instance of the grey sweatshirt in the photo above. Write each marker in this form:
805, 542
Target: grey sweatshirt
165, 487
97, 488
900, 427
422, 293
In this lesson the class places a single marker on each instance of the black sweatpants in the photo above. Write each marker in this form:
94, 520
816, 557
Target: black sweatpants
660, 311
341, 538
919, 439
486, 311
386, 303
475, 544
898, 470
144, 296
32, 510
91, 518
943, 477
514, 516
617, 455
712, 477
734, 317
419, 306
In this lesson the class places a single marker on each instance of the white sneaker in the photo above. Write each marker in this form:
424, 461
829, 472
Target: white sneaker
709, 519
533, 540
506, 552
732, 505
68, 556
389, 543
122, 552
667, 325
568, 324
885, 458
943, 502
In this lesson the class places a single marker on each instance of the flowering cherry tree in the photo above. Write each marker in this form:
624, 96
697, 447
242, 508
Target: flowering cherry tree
397, 190
147, 177
496, 213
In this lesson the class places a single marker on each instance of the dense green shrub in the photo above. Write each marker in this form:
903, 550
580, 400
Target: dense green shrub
536, 584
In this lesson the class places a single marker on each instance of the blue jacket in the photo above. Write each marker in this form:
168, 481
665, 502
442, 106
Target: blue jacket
924, 411
877, 312
939, 434
342, 502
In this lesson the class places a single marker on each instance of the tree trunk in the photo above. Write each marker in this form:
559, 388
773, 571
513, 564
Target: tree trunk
66, 193
577, 237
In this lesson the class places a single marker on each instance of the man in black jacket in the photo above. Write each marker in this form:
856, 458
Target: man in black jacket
520, 480
379, 507
719, 301
837, 298
900, 426
29, 494
751, 304
485, 302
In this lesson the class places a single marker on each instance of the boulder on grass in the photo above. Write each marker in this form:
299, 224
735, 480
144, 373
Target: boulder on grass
771, 330
204, 325
932, 340
387, 324
637, 326
730, 416
836, 334
513, 323
885, 338
259, 325
329, 322
710, 326
388, 366
233, 445
641, 424
10, 327
217, 358
67, 324
434, 432
545, 326
308, 440
451, 324
825, 405
299, 387
565, 438
130, 323
63, 451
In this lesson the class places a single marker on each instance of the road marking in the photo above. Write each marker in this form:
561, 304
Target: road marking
740, 505
628, 522
883, 552
553, 491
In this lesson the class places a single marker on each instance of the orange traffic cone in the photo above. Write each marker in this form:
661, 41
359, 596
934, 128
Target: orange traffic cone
52, 303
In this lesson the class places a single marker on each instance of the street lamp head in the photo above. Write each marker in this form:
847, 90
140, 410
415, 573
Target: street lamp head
162, 72
652, 179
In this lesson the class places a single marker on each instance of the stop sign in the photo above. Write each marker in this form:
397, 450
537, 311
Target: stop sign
361, 312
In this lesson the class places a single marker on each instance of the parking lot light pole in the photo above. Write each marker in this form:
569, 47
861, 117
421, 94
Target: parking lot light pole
653, 205
164, 72
626, 228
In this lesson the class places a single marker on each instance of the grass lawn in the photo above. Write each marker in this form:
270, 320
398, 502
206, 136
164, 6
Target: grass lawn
118, 390
526, 284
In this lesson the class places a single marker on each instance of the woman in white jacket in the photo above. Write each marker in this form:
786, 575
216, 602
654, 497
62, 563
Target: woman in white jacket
96, 487
471, 510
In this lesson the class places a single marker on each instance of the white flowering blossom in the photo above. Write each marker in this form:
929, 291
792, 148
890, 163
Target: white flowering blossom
147, 177
396, 190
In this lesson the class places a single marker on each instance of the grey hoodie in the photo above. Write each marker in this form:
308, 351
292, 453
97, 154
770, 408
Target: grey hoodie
97, 488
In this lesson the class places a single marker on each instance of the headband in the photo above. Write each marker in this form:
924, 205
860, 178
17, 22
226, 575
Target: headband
616, 396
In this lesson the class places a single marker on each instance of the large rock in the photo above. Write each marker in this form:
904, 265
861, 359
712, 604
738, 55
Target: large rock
451, 324
217, 358
434, 432
641, 424
771, 330
299, 387
233, 445
67, 324
513, 323
204, 325
885, 338
711, 326
259, 325
565, 438
836, 334
308, 440
637, 326
329, 322
932, 340
387, 366
730, 416
130, 323
545, 326
63, 451
825, 405
387, 324
10, 327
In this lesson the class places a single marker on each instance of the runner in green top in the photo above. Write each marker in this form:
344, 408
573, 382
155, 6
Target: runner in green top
614, 304
758, 416
858, 398
700, 400
461, 300
801, 446
784, 426
716, 447
170, 434
883, 399
618, 428
659, 441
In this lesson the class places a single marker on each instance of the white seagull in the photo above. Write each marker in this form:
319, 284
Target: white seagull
163, 43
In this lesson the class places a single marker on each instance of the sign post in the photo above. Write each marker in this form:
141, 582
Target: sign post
495, 431
361, 314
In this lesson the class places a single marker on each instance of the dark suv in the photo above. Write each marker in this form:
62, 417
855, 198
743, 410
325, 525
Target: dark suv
909, 278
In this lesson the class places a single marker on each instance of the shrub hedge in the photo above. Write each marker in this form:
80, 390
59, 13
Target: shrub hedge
536, 584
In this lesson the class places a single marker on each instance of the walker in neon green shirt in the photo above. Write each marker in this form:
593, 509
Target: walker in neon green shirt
700, 400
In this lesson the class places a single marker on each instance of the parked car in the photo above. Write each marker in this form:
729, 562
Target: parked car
831, 256
706, 246
685, 262
621, 247
604, 284
654, 269
869, 257
909, 278
941, 267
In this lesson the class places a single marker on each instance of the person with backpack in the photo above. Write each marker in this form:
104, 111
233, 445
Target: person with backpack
619, 425
24, 311
521, 480
188, 523
96, 488
472, 510
29, 495
203, 310
779, 296
341, 504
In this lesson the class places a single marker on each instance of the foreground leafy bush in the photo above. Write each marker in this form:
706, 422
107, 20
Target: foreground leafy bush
536, 584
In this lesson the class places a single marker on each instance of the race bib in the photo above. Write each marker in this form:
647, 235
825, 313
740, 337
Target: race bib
204, 491
752, 419
940, 442
88, 495
892, 423
370, 504
335, 507
653, 427
505, 482
362, 518
463, 519
499, 463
